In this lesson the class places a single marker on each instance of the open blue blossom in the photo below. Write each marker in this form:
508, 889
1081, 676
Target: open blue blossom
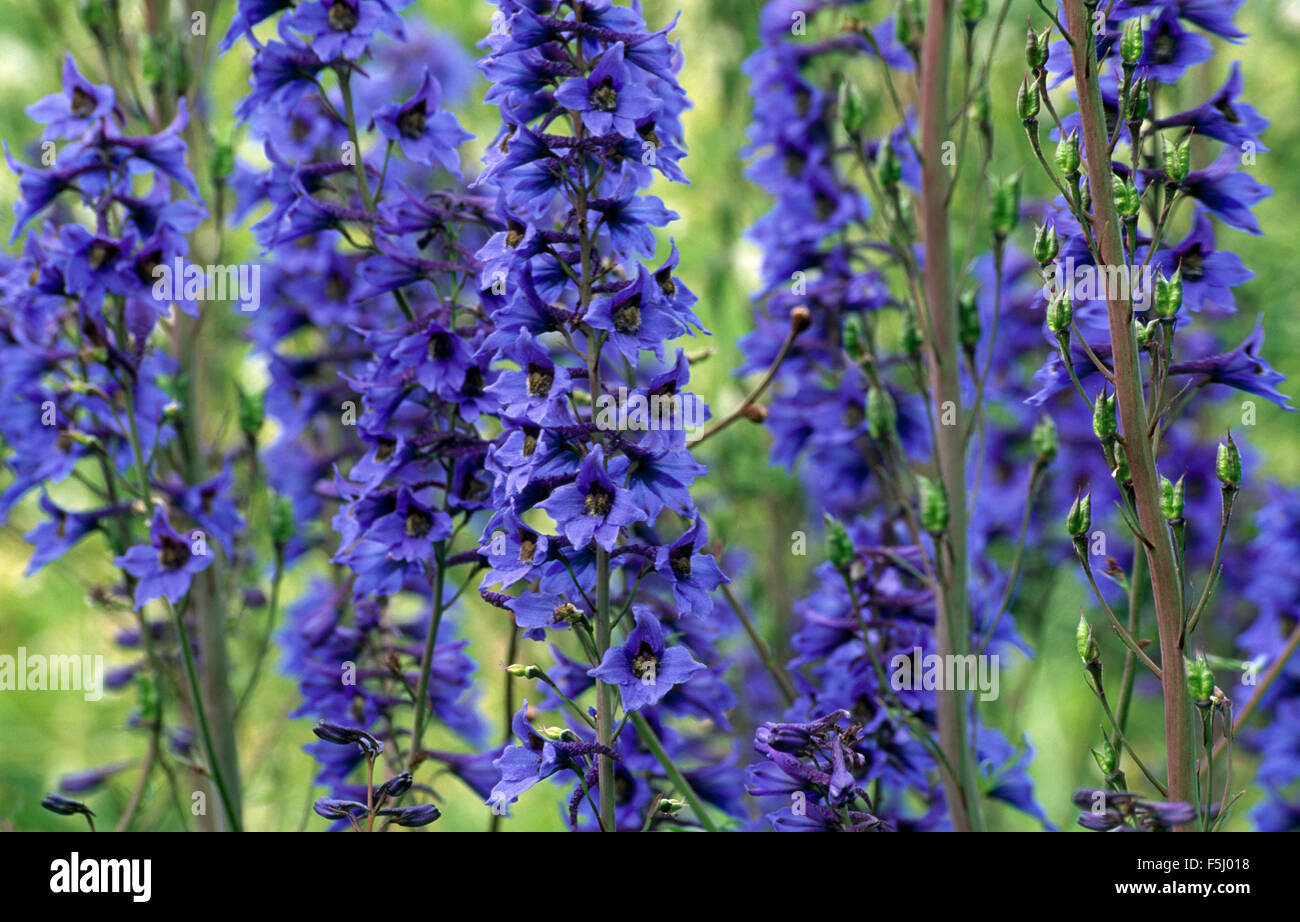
164, 567
593, 507
425, 133
643, 668
609, 98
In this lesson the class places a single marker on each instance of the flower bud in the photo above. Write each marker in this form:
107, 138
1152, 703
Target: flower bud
520, 671
1130, 44
1227, 464
882, 414
1027, 103
1079, 519
1171, 499
1005, 207
1178, 159
252, 412
1044, 439
1060, 313
934, 505
1169, 293
1085, 643
1067, 154
1103, 417
65, 806
1047, 245
800, 319
839, 546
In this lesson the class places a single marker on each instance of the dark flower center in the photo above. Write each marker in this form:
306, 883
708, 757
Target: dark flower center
514, 234
627, 316
795, 161
1193, 264
336, 289
527, 548
342, 17
411, 123
604, 98
666, 282
645, 662
417, 523
1165, 48
825, 206
440, 346
530, 440
647, 133
99, 254
145, 266
598, 502
679, 559
564, 613
173, 554
1225, 107
540, 379
802, 101
385, 449
82, 103
473, 383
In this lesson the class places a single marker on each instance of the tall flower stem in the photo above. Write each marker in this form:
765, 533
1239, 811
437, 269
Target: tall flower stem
426, 660
952, 625
1159, 550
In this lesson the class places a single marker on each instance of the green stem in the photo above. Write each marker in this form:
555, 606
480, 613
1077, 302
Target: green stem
647, 734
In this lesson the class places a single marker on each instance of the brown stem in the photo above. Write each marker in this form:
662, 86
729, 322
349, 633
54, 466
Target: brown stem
1133, 414
952, 625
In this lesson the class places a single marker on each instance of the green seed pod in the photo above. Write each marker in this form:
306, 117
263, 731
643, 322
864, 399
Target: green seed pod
903, 27
1047, 245
1120, 471
1127, 200
853, 111
1036, 49
1171, 499
1130, 44
1200, 680
1027, 103
934, 505
1169, 293
1104, 425
1079, 519
852, 335
1005, 207
1060, 313
968, 320
1106, 757
888, 169
1145, 332
1139, 101
1178, 159
252, 411
839, 546
1067, 154
972, 11
882, 415
1085, 643
912, 340
1044, 439
1227, 464
282, 526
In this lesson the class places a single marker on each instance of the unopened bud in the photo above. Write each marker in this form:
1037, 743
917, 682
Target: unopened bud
1005, 207
934, 505
968, 320
882, 414
1044, 439
839, 546
800, 320
1227, 464
1085, 643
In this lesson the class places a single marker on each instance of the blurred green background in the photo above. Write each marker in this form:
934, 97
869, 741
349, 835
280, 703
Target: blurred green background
748, 503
